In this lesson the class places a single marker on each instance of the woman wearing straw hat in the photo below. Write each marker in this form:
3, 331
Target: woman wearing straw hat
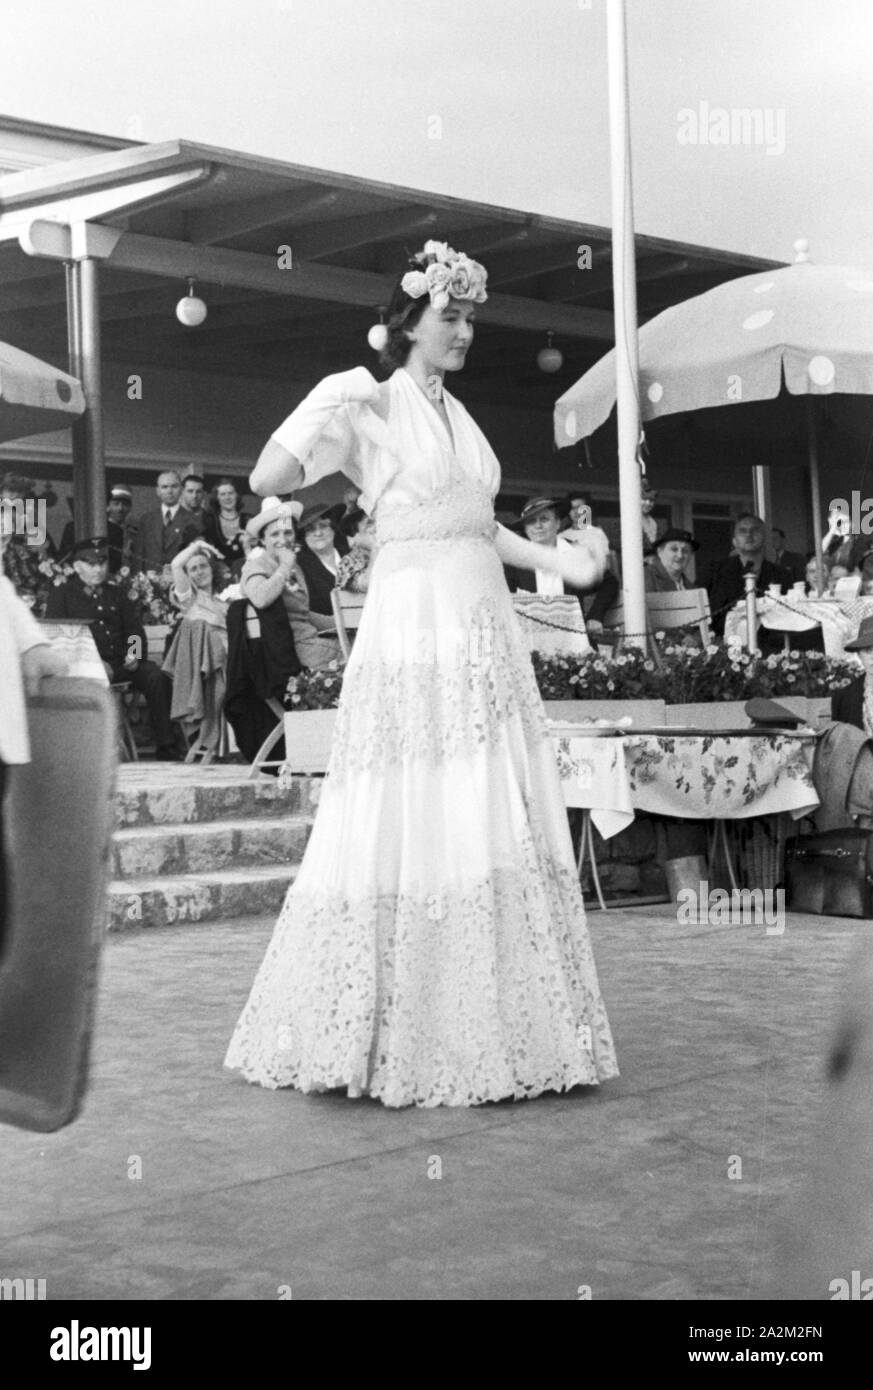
433, 949
271, 575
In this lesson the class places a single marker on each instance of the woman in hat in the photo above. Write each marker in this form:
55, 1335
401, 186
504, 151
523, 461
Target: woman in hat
271, 577
665, 572
320, 554
854, 703
433, 949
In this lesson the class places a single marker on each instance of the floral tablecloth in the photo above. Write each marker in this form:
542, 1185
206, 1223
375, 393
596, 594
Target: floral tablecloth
839, 618
697, 777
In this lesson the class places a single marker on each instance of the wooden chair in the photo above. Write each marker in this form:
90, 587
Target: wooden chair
677, 609
347, 609
127, 748
612, 636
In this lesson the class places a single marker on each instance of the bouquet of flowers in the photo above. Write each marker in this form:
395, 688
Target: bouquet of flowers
151, 592
315, 689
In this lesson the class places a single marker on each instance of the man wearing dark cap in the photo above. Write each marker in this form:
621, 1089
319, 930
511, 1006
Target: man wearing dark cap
120, 532
540, 520
321, 551
117, 631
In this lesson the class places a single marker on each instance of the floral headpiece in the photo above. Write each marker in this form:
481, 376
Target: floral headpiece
445, 274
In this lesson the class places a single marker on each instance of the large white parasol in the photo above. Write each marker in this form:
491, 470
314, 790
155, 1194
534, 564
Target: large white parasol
807, 329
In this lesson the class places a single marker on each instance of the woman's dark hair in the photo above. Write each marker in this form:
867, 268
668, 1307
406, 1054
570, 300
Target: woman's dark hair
224, 482
403, 313
220, 572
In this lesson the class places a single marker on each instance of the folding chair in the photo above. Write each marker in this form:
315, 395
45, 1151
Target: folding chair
678, 609
127, 748
347, 609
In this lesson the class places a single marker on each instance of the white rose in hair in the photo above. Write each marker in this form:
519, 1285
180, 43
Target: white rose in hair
414, 283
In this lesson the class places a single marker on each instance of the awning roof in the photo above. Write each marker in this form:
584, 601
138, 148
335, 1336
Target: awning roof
349, 238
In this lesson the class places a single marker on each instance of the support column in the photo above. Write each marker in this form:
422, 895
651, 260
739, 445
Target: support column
761, 493
77, 432
93, 503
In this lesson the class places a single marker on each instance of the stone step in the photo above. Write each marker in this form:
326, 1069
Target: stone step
202, 847
209, 897
174, 794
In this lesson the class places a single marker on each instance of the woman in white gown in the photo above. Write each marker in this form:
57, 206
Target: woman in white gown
433, 948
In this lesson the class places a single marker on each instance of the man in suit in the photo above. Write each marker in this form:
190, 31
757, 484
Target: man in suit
118, 633
728, 580
166, 529
322, 548
540, 520
793, 563
192, 500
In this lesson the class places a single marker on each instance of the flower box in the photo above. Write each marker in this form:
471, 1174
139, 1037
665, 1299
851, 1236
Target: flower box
709, 714
644, 713
308, 739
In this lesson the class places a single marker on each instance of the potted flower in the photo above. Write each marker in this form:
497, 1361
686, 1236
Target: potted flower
310, 703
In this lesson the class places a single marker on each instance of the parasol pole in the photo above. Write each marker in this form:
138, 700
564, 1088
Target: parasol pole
624, 292
812, 443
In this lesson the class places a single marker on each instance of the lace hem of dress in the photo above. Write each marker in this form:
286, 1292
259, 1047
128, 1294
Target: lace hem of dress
454, 998
445, 695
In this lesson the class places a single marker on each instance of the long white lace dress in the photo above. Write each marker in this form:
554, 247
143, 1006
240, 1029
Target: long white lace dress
433, 948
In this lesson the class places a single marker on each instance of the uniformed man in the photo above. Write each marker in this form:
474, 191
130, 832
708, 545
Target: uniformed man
121, 531
117, 631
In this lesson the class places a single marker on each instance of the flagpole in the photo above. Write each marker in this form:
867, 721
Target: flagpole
624, 291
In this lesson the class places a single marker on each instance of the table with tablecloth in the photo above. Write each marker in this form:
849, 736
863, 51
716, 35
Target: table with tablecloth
711, 777
839, 618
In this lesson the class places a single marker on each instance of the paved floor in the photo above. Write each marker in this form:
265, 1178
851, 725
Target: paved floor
180, 1181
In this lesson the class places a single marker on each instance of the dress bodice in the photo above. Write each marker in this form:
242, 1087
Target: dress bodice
418, 478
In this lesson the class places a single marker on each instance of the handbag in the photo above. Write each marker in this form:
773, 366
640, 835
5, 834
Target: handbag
831, 873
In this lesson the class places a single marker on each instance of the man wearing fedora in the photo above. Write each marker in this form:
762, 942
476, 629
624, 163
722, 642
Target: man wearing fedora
118, 634
665, 572
540, 521
322, 549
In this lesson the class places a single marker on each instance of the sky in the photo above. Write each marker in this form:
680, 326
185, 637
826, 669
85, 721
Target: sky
751, 120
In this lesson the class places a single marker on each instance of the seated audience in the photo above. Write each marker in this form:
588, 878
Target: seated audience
225, 526
540, 520
322, 549
117, 631
273, 582
665, 572
728, 581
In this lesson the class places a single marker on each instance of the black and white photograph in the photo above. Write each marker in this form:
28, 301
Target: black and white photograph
436, 667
